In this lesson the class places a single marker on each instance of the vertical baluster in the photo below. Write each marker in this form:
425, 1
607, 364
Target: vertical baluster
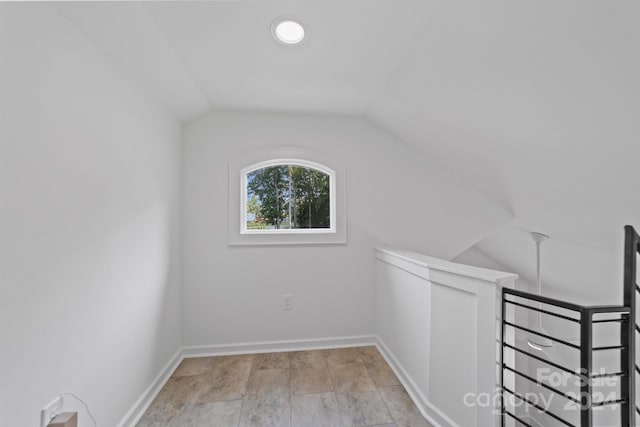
502, 327
586, 361
627, 335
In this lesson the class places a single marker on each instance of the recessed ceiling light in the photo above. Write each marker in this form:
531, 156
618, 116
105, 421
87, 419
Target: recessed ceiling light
288, 31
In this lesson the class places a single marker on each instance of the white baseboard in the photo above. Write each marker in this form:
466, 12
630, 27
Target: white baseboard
427, 409
138, 409
142, 404
278, 346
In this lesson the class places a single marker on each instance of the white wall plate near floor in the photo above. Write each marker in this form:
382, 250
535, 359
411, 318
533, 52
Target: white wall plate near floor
50, 411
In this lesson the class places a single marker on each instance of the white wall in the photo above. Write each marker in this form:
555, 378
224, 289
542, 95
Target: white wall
437, 322
395, 196
89, 225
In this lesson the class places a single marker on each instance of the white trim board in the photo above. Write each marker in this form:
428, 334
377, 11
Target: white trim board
138, 409
278, 346
426, 408
134, 414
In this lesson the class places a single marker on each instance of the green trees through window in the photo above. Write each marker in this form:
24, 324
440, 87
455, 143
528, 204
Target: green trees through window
288, 197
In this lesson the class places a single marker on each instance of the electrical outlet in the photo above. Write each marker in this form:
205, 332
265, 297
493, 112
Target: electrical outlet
50, 411
287, 302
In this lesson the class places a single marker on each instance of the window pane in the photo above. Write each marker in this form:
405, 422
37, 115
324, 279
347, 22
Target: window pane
288, 197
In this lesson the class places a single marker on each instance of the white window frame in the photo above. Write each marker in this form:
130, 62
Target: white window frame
286, 162
238, 170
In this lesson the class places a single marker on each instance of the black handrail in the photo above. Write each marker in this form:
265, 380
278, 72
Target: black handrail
627, 356
584, 317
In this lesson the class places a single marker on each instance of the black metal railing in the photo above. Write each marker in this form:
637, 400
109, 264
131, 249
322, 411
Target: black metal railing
631, 289
586, 318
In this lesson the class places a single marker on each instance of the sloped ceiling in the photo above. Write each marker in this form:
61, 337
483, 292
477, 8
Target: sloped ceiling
535, 103
194, 56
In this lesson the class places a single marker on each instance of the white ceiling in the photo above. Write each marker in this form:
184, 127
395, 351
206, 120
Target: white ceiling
196, 56
536, 103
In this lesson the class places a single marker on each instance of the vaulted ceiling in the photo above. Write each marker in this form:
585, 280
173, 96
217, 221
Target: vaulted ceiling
535, 103
197, 56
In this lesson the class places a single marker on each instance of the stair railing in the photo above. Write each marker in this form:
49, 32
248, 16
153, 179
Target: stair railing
631, 289
586, 317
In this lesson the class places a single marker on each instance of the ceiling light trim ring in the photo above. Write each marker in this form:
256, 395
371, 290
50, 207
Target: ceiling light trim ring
297, 31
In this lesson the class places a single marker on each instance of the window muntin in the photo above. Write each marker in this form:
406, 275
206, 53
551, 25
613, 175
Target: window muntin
287, 196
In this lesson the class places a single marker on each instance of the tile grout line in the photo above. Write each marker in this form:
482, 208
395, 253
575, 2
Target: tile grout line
384, 402
246, 390
333, 388
290, 354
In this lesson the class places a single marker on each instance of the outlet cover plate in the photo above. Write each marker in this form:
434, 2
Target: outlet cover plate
50, 411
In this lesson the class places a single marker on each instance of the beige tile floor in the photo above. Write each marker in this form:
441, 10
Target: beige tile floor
342, 388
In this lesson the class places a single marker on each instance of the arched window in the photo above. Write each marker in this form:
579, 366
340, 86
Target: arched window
288, 196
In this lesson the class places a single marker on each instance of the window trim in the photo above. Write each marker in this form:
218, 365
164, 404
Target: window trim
303, 157
285, 162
